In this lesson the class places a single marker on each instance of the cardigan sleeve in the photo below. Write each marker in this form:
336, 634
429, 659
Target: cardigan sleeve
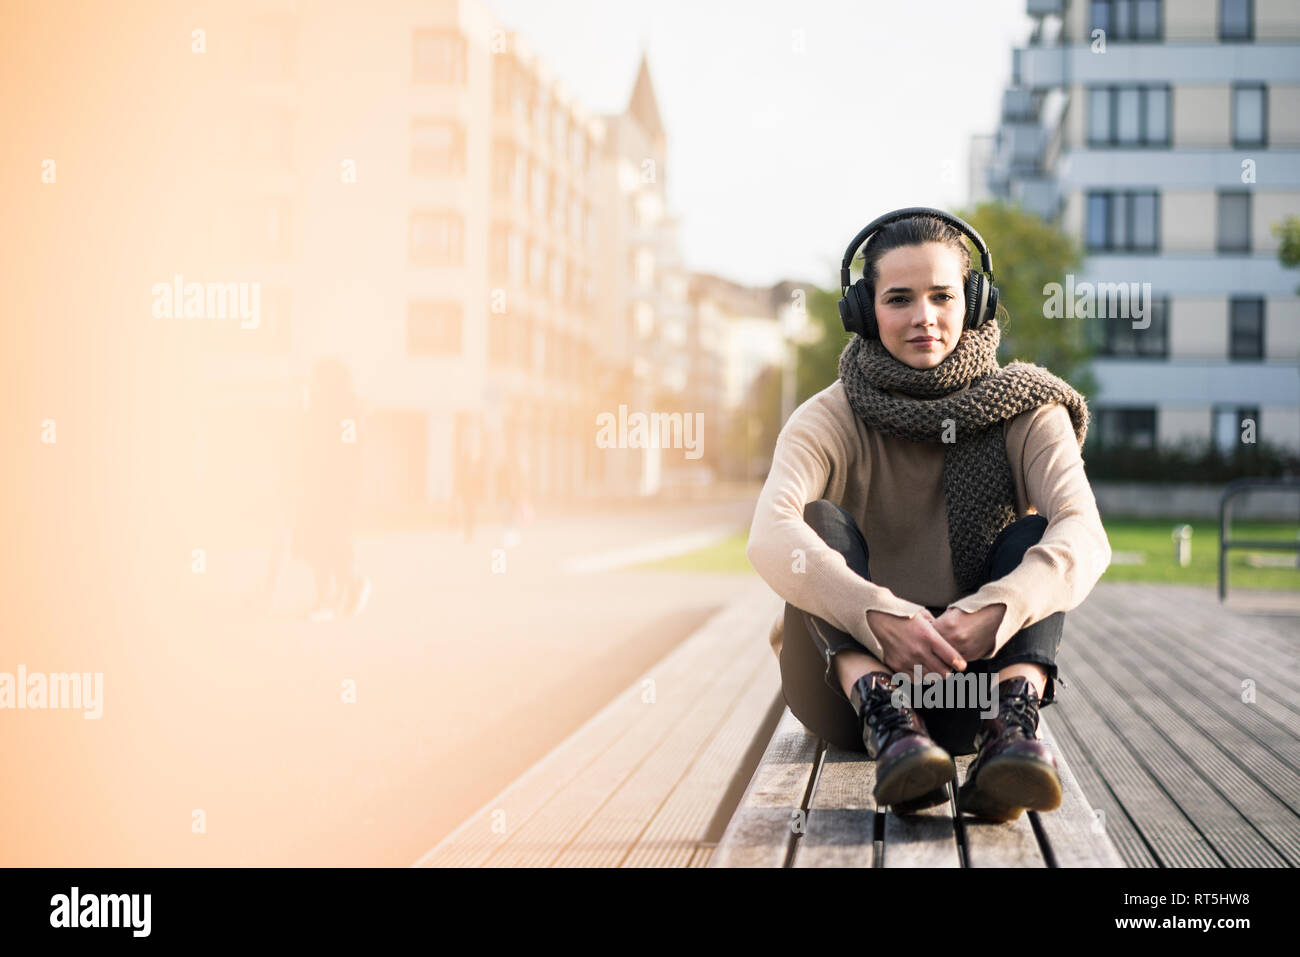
1058, 572
789, 555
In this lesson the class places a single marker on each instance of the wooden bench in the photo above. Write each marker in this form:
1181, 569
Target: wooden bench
809, 804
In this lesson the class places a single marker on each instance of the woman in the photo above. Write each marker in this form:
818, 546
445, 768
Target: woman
898, 522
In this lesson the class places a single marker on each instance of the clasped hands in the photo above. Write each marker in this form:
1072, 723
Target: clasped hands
939, 645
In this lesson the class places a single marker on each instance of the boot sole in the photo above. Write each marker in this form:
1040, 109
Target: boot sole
915, 776
1011, 785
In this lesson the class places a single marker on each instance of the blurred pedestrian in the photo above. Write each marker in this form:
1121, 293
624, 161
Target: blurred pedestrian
328, 492
470, 475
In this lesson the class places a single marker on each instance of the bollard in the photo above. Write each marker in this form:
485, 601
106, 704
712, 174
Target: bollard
1182, 537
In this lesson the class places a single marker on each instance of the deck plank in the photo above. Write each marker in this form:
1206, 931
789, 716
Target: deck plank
1229, 834
673, 835
761, 833
989, 844
841, 822
538, 815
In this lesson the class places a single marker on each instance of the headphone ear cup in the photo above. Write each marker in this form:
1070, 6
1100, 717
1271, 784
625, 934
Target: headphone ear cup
993, 303
975, 294
867, 309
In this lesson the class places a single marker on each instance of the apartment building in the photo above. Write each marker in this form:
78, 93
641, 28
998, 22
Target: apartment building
1165, 136
418, 196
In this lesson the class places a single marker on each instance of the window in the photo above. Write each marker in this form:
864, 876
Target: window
438, 56
1116, 336
1128, 19
1128, 116
1127, 221
515, 256
539, 187
1246, 328
497, 253
575, 219
643, 266
1133, 428
1249, 114
1236, 20
437, 148
536, 265
1227, 423
433, 328
436, 239
1234, 221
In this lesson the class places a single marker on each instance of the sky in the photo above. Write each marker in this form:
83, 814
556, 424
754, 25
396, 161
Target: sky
790, 125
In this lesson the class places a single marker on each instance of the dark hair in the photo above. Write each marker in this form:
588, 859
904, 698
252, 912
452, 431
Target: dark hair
913, 231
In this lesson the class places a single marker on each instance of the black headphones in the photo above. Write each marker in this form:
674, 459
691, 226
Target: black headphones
857, 305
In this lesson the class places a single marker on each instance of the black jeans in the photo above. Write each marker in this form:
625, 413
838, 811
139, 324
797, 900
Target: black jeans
808, 678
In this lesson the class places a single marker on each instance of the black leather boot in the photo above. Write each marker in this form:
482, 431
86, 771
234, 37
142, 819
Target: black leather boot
912, 772
1014, 770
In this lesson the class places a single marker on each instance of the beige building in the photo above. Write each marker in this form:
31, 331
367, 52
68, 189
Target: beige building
420, 197
645, 338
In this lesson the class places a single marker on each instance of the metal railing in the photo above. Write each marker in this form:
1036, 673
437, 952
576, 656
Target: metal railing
1232, 490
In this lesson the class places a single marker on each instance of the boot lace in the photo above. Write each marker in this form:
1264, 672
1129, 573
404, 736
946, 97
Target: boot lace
1022, 712
887, 719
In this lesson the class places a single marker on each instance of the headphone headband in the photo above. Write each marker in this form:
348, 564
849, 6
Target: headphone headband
986, 259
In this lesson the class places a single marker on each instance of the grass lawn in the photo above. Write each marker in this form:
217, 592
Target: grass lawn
1148, 538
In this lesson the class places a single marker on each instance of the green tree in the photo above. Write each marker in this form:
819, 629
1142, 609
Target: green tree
1288, 230
1028, 253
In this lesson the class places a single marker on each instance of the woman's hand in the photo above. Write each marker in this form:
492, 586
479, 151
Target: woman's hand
907, 642
971, 633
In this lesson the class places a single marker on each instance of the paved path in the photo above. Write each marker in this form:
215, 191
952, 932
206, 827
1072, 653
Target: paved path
463, 678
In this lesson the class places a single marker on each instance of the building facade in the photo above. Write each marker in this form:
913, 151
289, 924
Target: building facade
644, 343
1165, 136
419, 197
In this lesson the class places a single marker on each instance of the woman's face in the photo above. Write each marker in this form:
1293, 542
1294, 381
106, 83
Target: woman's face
920, 303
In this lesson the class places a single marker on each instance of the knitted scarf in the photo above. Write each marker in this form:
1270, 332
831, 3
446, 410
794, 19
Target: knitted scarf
965, 398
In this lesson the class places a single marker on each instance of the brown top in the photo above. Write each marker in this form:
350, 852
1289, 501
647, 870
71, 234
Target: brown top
894, 490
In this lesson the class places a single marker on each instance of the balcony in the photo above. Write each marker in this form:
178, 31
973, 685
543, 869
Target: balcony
1038, 195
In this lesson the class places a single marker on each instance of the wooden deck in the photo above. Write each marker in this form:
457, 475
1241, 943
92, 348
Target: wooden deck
1151, 723
1154, 725
639, 784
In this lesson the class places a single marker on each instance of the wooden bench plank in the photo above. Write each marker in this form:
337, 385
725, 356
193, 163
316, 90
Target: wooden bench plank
618, 737
760, 833
989, 844
841, 822
924, 839
672, 837
621, 820
681, 681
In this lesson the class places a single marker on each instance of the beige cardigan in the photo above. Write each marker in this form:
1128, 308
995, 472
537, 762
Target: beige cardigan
894, 490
